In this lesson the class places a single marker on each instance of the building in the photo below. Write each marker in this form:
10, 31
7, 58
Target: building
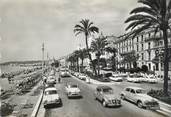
147, 46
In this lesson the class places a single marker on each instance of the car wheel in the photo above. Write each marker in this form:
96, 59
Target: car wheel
104, 104
139, 104
122, 97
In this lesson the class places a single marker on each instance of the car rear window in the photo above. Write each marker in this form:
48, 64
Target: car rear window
73, 86
107, 90
50, 92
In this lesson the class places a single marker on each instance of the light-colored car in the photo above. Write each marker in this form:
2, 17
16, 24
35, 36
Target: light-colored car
116, 78
151, 79
51, 97
64, 73
105, 94
72, 90
135, 78
139, 97
51, 80
82, 77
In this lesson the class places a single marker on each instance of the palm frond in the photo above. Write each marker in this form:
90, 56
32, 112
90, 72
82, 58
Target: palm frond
93, 29
140, 17
144, 9
134, 24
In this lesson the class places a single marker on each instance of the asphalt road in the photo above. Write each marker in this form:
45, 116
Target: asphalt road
89, 107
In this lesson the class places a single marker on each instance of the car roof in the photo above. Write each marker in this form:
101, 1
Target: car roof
134, 87
103, 87
50, 88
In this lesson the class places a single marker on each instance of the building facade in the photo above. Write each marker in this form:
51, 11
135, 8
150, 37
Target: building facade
149, 48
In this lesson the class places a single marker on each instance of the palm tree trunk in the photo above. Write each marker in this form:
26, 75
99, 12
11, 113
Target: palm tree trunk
98, 63
82, 65
89, 55
166, 62
78, 65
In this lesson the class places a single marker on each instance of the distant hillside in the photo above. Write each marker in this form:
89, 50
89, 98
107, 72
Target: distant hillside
21, 62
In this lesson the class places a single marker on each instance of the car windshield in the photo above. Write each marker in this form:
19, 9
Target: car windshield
140, 91
73, 86
50, 92
108, 91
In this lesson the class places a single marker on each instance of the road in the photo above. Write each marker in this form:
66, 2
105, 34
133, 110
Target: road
89, 107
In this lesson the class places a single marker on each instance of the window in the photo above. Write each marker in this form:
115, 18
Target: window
98, 89
149, 44
127, 89
141, 37
157, 66
137, 39
142, 46
132, 91
142, 56
137, 48
149, 66
149, 55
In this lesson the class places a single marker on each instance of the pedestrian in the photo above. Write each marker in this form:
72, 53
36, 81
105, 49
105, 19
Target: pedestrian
59, 80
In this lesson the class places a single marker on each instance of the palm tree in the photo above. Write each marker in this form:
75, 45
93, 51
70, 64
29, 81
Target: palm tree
130, 58
82, 56
113, 51
98, 46
86, 27
154, 15
76, 55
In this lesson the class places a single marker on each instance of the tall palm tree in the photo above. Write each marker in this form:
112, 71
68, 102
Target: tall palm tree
82, 56
76, 55
98, 46
86, 27
153, 15
113, 51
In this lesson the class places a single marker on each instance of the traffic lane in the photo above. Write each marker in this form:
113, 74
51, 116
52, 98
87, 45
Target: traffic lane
73, 107
88, 107
128, 109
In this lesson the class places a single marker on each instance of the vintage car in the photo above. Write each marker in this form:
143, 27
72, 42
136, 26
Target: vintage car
72, 90
135, 78
151, 79
64, 73
106, 95
82, 77
139, 97
51, 80
116, 78
51, 97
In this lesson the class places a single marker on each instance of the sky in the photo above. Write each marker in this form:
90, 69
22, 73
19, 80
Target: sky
26, 24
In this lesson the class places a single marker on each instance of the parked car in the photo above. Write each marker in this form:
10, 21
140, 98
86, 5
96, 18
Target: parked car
51, 97
135, 78
139, 97
104, 79
105, 94
47, 85
51, 80
116, 78
82, 77
151, 79
72, 90
64, 73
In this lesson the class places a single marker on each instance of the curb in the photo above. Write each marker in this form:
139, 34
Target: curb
37, 106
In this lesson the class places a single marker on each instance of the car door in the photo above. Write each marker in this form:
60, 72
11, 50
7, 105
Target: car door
132, 95
99, 92
127, 91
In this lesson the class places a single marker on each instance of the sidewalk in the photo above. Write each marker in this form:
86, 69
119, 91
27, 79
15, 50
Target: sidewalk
25, 103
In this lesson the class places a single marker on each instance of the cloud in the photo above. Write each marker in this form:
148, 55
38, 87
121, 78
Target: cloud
26, 24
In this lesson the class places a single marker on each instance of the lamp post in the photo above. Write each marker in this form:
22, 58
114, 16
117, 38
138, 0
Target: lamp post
43, 49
